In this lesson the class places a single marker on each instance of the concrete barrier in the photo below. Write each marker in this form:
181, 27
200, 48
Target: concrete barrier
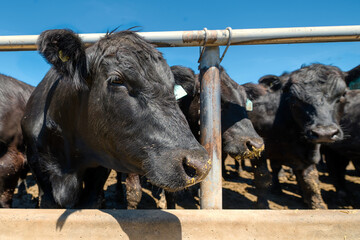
179, 224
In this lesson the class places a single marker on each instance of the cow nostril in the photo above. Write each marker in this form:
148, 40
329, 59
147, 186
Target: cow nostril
254, 144
249, 145
190, 170
324, 134
314, 134
335, 133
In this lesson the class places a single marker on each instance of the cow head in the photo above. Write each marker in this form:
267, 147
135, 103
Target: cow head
315, 98
132, 121
239, 139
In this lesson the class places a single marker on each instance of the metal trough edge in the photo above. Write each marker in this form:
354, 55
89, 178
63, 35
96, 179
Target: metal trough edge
178, 224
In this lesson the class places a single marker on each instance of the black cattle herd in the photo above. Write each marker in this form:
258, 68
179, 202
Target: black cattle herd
115, 106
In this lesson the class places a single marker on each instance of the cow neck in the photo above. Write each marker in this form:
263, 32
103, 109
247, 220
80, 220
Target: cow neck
284, 118
68, 114
311, 150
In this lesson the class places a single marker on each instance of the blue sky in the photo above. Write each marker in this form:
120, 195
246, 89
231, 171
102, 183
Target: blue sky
243, 63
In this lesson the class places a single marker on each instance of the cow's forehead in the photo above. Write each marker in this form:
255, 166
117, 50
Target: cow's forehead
317, 80
319, 89
231, 91
130, 53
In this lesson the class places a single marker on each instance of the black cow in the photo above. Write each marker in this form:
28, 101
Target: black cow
111, 106
339, 154
297, 112
239, 139
13, 97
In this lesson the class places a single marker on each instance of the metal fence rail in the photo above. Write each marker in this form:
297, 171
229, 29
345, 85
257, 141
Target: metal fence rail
214, 37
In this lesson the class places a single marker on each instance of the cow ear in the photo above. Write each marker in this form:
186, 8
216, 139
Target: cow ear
253, 91
66, 52
352, 78
271, 82
186, 78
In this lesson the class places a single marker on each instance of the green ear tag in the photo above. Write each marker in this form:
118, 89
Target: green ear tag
179, 92
249, 105
355, 84
62, 57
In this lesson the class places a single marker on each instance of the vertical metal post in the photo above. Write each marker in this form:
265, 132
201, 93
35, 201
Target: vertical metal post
210, 127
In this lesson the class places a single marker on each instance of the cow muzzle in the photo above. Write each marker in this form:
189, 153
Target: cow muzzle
254, 150
195, 171
324, 134
181, 168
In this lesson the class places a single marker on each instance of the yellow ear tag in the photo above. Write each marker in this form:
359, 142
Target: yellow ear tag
62, 57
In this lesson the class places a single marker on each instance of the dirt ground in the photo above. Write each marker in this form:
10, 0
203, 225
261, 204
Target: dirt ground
238, 192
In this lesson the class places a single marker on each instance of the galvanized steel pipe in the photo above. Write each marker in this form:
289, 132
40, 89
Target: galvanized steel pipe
210, 127
215, 37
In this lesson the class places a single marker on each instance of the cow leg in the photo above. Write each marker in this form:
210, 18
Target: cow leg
93, 193
262, 181
239, 166
8, 184
120, 194
223, 169
242, 165
22, 188
12, 164
162, 203
6, 198
170, 199
276, 168
336, 165
133, 190
167, 200
308, 180
7, 187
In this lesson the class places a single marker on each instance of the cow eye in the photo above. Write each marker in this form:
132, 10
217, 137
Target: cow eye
116, 81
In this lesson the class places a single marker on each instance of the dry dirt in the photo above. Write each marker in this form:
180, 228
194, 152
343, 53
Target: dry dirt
238, 192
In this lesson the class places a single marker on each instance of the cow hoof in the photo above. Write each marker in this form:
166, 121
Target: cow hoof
319, 206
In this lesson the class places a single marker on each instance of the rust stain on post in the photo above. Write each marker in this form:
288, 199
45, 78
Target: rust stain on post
193, 36
212, 37
18, 48
199, 37
210, 128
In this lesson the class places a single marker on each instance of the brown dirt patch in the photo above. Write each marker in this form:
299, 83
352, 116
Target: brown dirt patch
238, 192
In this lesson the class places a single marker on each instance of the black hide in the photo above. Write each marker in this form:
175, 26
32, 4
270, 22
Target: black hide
295, 113
339, 154
111, 106
13, 97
